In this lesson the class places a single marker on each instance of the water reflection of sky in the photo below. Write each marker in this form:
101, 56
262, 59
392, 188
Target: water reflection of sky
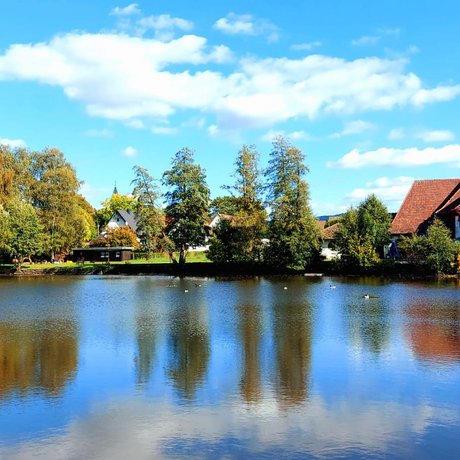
101, 367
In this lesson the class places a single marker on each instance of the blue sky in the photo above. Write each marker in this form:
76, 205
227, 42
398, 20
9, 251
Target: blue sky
370, 91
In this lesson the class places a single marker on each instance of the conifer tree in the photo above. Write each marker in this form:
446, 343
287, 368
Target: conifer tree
294, 237
238, 237
187, 204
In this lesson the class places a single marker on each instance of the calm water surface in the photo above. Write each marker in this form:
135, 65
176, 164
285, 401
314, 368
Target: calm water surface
157, 367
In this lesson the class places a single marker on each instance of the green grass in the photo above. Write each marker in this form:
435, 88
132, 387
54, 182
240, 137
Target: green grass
157, 259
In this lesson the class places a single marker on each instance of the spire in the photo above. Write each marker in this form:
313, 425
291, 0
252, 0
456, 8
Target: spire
115, 191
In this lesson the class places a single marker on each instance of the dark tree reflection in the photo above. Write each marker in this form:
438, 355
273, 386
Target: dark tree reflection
189, 350
368, 324
293, 338
146, 336
41, 355
250, 331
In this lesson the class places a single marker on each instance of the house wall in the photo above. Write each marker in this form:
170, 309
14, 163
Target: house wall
327, 252
102, 255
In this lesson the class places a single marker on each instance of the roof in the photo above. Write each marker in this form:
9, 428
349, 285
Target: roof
129, 217
424, 200
330, 232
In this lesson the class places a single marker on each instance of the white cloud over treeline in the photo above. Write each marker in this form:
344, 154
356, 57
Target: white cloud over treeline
127, 77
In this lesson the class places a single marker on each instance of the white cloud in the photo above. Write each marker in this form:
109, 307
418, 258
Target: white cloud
246, 24
129, 152
367, 40
449, 154
213, 130
396, 134
354, 127
390, 191
369, 426
13, 143
435, 136
305, 46
138, 80
129, 10
164, 26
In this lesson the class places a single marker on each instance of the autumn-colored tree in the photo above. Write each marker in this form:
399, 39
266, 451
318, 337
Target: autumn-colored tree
54, 194
116, 237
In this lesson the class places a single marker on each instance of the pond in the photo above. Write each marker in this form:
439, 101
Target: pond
159, 367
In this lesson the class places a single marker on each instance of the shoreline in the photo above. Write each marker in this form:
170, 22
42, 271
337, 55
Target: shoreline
205, 269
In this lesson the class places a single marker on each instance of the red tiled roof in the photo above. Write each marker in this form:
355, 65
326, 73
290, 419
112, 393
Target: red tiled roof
424, 199
452, 203
329, 232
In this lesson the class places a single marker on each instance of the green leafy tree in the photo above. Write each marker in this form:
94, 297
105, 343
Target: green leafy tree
292, 231
363, 232
150, 217
187, 204
238, 237
21, 231
225, 205
435, 252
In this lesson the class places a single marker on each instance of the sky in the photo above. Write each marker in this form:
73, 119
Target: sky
369, 91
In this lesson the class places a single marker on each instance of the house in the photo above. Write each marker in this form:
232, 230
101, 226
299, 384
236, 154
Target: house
426, 200
115, 254
328, 235
123, 218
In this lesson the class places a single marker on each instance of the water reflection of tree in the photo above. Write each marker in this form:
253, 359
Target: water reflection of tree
434, 330
368, 323
146, 335
293, 330
37, 355
250, 327
189, 350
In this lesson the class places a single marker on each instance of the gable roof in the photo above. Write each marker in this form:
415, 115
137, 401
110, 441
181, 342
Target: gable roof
330, 232
129, 217
423, 201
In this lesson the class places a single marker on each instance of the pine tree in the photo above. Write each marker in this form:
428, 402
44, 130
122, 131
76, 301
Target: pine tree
187, 204
238, 237
292, 231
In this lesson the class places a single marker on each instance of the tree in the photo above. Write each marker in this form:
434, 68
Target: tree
21, 231
117, 237
150, 217
54, 194
434, 252
14, 174
292, 231
187, 204
363, 232
238, 238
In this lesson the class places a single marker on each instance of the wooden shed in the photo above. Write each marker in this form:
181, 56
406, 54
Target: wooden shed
116, 254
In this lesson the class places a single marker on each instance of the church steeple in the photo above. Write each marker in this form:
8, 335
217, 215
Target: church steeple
115, 191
